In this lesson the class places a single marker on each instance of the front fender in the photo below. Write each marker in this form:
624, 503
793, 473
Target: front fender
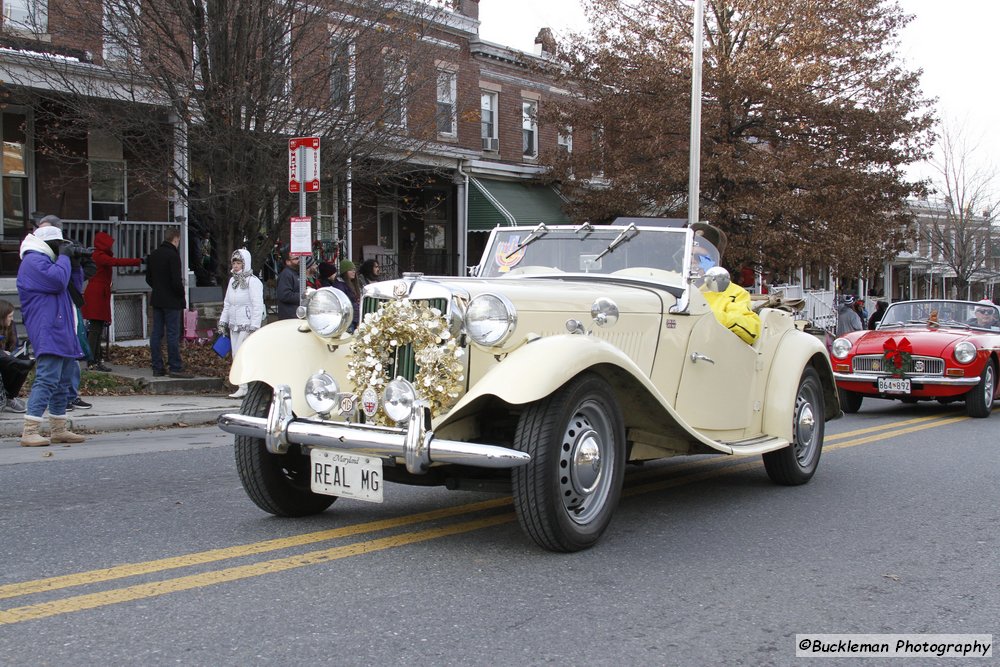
517, 381
281, 354
796, 352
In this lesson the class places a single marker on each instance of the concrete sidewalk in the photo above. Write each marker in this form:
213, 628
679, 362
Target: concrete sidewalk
169, 403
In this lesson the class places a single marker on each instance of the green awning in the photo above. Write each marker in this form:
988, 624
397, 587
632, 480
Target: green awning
506, 204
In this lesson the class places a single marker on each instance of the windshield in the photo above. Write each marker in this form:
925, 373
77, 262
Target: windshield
662, 254
964, 314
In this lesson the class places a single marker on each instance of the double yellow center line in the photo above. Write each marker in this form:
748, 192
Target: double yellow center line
636, 484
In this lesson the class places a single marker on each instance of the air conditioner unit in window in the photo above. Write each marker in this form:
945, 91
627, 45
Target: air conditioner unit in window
491, 144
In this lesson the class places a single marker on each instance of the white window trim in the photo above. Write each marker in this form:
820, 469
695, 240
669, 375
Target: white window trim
565, 139
113, 49
387, 208
453, 94
336, 37
399, 88
90, 186
495, 107
33, 15
530, 122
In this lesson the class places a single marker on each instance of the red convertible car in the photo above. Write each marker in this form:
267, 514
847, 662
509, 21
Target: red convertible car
921, 351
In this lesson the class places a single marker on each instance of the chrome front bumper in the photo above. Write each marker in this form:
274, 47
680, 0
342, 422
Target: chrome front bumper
922, 379
415, 443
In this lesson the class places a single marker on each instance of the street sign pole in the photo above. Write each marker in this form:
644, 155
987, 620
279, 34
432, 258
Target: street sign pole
303, 177
302, 213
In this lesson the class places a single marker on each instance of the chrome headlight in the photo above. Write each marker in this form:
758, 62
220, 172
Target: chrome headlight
329, 312
322, 393
490, 319
965, 352
398, 400
840, 348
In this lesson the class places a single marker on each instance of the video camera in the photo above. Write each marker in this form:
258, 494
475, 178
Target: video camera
76, 251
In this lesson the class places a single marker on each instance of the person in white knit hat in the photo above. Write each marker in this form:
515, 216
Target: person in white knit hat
50, 318
243, 309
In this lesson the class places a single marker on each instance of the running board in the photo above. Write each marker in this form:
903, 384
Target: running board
759, 445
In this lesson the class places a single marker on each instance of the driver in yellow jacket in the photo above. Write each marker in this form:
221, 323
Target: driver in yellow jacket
729, 302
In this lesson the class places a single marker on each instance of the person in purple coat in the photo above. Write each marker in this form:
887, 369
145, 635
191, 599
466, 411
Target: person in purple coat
50, 319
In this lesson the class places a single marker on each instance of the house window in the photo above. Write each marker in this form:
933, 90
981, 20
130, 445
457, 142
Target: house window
488, 121
120, 18
341, 71
28, 15
199, 60
107, 189
564, 142
597, 153
387, 227
394, 90
529, 129
281, 63
15, 176
447, 92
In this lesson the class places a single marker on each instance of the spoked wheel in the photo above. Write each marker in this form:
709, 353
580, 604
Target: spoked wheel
850, 401
277, 483
565, 496
979, 400
796, 463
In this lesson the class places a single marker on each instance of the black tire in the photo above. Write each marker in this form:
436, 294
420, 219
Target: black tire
850, 401
564, 498
796, 463
277, 483
979, 400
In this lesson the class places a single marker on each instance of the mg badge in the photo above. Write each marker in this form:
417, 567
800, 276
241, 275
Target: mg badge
399, 290
347, 404
918, 366
876, 365
369, 402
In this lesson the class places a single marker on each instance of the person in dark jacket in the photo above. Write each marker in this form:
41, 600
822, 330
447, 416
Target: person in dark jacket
327, 273
288, 289
14, 369
347, 282
880, 308
51, 321
97, 297
163, 274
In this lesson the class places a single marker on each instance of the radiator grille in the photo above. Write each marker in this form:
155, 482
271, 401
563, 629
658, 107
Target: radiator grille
405, 364
873, 364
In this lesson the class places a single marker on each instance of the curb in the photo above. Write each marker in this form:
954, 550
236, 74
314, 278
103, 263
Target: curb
126, 422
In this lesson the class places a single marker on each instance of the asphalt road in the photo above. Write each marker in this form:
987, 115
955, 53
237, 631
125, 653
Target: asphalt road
143, 549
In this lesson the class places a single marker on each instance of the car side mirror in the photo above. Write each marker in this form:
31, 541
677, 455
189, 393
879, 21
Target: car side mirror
717, 279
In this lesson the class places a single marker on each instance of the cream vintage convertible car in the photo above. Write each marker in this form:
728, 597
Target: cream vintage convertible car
572, 352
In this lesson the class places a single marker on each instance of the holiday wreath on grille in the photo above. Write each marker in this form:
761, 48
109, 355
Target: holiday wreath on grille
897, 357
440, 371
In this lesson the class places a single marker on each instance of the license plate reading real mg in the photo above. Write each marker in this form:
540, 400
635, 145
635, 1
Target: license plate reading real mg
336, 473
894, 385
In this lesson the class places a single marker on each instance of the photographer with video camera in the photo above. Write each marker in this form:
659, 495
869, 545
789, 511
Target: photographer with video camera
44, 282
79, 257
97, 297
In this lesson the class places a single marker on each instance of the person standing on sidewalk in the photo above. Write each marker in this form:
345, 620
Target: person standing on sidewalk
243, 308
86, 264
50, 318
347, 282
97, 297
163, 275
13, 369
288, 289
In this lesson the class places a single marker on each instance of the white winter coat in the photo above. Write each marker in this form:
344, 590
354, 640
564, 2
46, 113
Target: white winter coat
243, 308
